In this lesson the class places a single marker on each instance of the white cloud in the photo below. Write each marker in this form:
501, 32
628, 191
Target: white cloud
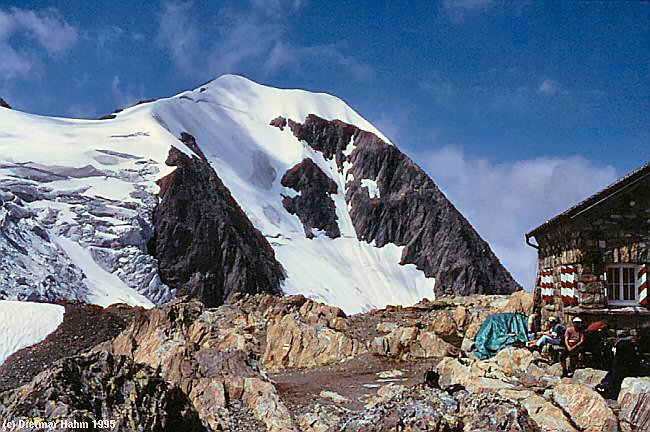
506, 200
458, 9
255, 36
121, 98
47, 27
549, 87
108, 36
179, 33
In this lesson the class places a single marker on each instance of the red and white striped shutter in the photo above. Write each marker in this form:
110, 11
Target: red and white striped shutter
642, 285
546, 278
568, 285
572, 281
563, 277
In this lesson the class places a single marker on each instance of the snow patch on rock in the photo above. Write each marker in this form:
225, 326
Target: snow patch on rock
371, 185
23, 324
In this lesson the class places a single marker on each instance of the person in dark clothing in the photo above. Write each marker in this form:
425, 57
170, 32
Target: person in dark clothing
596, 343
627, 362
574, 340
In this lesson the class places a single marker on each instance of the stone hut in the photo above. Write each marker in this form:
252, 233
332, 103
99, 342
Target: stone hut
593, 259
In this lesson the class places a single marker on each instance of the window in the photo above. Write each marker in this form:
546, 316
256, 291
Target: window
621, 285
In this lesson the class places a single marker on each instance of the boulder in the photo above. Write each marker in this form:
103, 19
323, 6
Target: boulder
459, 316
490, 412
519, 302
444, 325
589, 377
513, 360
293, 343
634, 402
319, 420
400, 408
408, 343
546, 416
453, 372
386, 327
334, 397
263, 400
586, 408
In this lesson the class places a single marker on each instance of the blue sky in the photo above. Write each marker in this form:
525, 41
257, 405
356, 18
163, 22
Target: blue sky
516, 109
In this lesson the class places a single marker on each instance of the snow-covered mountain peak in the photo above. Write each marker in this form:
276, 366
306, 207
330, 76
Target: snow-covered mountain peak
264, 189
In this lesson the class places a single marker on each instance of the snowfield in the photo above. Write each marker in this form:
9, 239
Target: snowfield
23, 324
97, 212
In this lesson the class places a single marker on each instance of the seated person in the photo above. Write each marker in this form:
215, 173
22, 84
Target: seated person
552, 336
532, 326
574, 339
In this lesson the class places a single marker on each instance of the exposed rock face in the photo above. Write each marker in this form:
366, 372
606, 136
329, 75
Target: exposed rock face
314, 205
205, 245
410, 211
409, 343
634, 402
101, 386
587, 408
279, 122
292, 343
4, 104
425, 409
196, 349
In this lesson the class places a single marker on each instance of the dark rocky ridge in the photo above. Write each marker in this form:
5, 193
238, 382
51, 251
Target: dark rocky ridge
314, 206
205, 245
100, 386
410, 212
4, 104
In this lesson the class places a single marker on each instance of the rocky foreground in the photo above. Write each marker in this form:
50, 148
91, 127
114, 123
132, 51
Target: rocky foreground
291, 364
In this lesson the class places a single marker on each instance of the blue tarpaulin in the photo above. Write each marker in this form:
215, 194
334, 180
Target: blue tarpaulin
499, 331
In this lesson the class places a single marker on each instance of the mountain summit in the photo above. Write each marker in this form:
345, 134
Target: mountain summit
232, 187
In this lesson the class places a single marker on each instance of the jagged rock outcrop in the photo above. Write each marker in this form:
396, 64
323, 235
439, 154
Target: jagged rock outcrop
196, 349
313, 204
205, 245
4, 104
291, 342
101, 387
410, 210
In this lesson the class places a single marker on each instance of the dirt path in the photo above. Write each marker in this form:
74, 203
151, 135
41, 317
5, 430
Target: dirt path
355, 380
